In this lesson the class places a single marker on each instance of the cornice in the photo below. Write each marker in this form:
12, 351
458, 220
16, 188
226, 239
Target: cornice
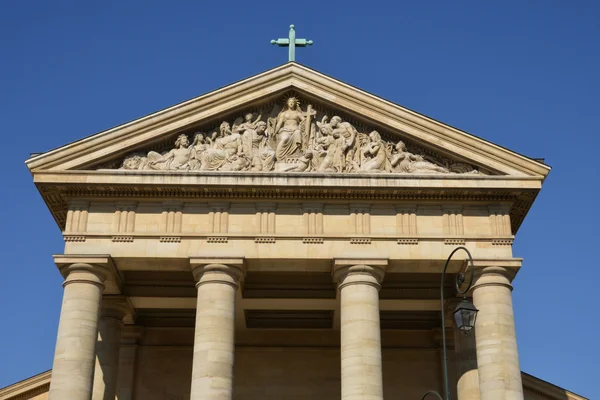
27, 388
547, 389
138, 127
420, 128
57, 188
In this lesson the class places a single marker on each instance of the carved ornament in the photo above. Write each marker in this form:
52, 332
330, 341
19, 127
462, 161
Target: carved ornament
290, 138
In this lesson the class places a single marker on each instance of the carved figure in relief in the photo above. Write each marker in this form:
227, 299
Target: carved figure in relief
375, 155
333, 147
348, 132
196, 150
227, 140
406, 162
135, 161
226, 144
176, 159
249, 123
236, 163
259, 150
288, 130
289, 139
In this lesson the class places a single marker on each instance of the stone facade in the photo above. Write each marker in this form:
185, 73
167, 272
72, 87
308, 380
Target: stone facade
288, 245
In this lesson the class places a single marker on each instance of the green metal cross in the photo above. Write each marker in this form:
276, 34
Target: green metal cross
292, 42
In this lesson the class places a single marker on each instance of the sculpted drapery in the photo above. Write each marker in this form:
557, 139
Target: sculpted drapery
290, 140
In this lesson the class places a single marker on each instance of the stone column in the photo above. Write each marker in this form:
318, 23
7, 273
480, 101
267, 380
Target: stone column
127, 360
496, 341
212, 368
465, 353
114, 309
359, 284
75, 354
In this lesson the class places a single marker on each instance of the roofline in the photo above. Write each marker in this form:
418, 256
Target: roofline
23, 386
154, 113
291, 65
551, 387
534, 159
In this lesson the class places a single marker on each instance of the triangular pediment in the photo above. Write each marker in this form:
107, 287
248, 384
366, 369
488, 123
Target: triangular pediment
209, 133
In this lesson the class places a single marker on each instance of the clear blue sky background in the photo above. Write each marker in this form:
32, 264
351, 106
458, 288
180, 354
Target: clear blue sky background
521, 74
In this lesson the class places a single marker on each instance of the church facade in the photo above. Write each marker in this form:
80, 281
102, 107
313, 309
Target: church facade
284, 238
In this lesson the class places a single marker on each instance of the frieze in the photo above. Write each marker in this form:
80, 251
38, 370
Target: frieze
56, 195
292, 138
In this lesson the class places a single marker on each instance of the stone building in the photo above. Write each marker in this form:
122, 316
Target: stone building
283, 238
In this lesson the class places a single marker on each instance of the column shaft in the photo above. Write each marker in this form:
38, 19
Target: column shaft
127, 356
360, 334
127, 361
212, 370
496, 341
107, 350
73, 367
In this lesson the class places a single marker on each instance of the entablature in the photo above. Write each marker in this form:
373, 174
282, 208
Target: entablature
62, 190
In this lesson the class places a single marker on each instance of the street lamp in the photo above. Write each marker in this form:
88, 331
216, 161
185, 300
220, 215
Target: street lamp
464, 314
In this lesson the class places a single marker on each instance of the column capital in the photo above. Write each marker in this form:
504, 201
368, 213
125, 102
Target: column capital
132, 334
362, 270
227, 270
495, 272
94, 269
117, 307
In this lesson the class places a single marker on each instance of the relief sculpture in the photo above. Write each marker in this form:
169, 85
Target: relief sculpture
291, 139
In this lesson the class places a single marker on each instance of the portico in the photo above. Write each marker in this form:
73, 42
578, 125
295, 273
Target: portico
219, 281
283, 238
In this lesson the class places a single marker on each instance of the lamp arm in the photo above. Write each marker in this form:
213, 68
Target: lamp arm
460, 278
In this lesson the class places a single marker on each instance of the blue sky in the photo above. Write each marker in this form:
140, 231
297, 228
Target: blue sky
524, 75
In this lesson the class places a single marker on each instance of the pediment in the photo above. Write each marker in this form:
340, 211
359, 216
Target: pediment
248, 127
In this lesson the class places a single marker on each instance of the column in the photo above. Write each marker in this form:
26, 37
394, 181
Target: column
465, 353
110, 327
75, 354
360, 348
127, 360
496, 341
212, 368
